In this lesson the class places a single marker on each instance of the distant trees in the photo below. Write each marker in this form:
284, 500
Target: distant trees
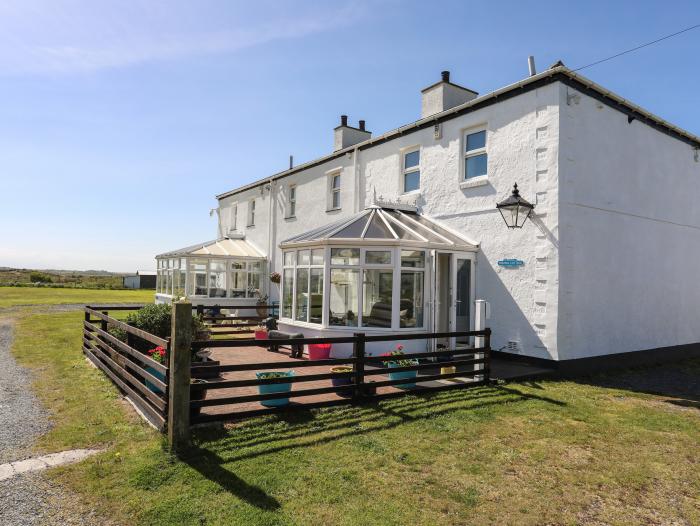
40, 277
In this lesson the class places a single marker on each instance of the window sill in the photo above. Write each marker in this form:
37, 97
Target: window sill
412, 193
250, 226
482, 180
336, 209
290, 218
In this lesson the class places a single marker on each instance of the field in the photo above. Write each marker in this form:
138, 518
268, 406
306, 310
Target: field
555, 452
61, 278
14, 296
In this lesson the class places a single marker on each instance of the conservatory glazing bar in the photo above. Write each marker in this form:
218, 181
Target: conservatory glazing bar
369, 271
223, 268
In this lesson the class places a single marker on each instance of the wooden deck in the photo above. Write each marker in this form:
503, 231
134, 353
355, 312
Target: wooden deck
255, 354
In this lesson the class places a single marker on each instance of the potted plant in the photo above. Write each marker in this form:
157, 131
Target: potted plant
197, 393
260, 332
341, 381
402, 362
276, 278
157, 354
319, 351
281, 387
203, 366
260, 302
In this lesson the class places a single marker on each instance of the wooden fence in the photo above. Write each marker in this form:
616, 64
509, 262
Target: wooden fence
230, 324
362, 384
142, 379
165, 394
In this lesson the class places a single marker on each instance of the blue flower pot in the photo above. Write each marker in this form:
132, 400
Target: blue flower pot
157, 374
403, 375
275, 388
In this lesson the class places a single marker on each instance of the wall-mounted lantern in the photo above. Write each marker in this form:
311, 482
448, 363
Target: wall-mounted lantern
515, 210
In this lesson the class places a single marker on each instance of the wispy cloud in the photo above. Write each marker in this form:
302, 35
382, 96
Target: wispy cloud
74, 37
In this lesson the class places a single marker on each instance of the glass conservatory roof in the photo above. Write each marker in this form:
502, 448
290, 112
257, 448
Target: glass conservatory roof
219, 247
378, 225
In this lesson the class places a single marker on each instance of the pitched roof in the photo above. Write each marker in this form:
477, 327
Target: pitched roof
557, 73
218, 247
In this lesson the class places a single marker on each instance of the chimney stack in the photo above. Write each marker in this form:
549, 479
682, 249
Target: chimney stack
444, 95
531, 65
345, 136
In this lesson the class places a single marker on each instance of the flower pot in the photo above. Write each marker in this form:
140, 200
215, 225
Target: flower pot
274, 388
157, 374
197, 393
403, 375
448, 370
319, 351
261, 334
342, 381
261, 309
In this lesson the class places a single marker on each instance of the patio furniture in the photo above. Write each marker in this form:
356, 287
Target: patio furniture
297, 349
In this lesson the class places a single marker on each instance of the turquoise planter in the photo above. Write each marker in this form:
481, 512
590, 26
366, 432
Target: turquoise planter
275, 388
157, 374
403, 375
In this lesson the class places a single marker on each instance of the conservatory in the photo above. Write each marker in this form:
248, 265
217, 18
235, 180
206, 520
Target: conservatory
378, 271
210, 272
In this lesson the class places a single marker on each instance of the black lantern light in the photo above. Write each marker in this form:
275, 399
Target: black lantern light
515, 210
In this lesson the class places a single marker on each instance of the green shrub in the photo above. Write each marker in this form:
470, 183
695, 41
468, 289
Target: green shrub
40, 277
154, 319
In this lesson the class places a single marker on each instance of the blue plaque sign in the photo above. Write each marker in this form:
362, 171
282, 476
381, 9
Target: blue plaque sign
511, 263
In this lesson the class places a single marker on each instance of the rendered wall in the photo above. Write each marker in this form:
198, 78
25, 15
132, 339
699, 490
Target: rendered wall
522, 147
630, 232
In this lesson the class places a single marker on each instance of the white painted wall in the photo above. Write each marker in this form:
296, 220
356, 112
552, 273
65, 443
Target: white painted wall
522, 146
630, 232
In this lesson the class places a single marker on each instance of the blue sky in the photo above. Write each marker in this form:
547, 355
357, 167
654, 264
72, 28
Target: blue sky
120, 121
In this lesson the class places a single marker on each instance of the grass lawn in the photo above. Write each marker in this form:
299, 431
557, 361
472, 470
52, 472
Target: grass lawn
11, 296
553, 452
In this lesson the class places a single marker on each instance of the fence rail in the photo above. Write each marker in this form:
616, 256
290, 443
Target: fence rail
144, 380
363, 377
165, 395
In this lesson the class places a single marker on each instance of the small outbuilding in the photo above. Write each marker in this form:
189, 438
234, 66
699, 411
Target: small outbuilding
143, 279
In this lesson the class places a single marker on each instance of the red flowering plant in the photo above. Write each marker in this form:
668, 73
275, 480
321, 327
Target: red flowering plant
157, 354
405, 362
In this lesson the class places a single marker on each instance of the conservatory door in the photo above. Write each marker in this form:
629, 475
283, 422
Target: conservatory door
454, 285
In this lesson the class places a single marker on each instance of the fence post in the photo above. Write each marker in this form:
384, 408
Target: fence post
179, 382
487, 354
103, 323
358, 366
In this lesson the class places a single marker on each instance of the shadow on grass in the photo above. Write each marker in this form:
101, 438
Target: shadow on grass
680, 381
216, 447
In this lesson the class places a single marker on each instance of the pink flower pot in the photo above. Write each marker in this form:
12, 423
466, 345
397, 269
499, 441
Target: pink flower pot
261, 335
319, 351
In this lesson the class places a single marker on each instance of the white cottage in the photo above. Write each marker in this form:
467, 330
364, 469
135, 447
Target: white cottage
401, 233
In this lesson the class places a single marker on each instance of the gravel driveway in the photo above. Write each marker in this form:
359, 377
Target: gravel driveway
28, 499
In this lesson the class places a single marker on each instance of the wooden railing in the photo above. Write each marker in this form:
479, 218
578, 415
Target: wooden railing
363, 366
230, 324
142, 379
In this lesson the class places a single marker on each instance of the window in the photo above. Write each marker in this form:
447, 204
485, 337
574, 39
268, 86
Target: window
344, 297
198, 285
334, 197
217, 279
411, 171
305, 301
234, 217
475, 156
251, 212
377, 287
292, 201
412, 293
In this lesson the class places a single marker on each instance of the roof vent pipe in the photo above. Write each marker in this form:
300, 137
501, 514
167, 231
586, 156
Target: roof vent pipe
362, 125
343, 120
445, 76
531, 65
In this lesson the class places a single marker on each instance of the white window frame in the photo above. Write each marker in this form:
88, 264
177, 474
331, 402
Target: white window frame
332, 191
405, 171
251, 213
291, 201
233, 218
479, 180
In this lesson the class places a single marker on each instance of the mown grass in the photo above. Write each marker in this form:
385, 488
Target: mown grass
539, 453
12, 296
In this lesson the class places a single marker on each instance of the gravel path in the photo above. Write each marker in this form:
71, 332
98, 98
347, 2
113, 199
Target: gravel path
28, 499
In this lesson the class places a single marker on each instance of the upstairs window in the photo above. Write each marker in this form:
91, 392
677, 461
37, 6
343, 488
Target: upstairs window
334, 189
292, 201
234, 217
475, 156
411, 171
251, 212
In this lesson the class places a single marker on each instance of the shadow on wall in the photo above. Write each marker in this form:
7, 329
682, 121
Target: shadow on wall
219, 449
508, 321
